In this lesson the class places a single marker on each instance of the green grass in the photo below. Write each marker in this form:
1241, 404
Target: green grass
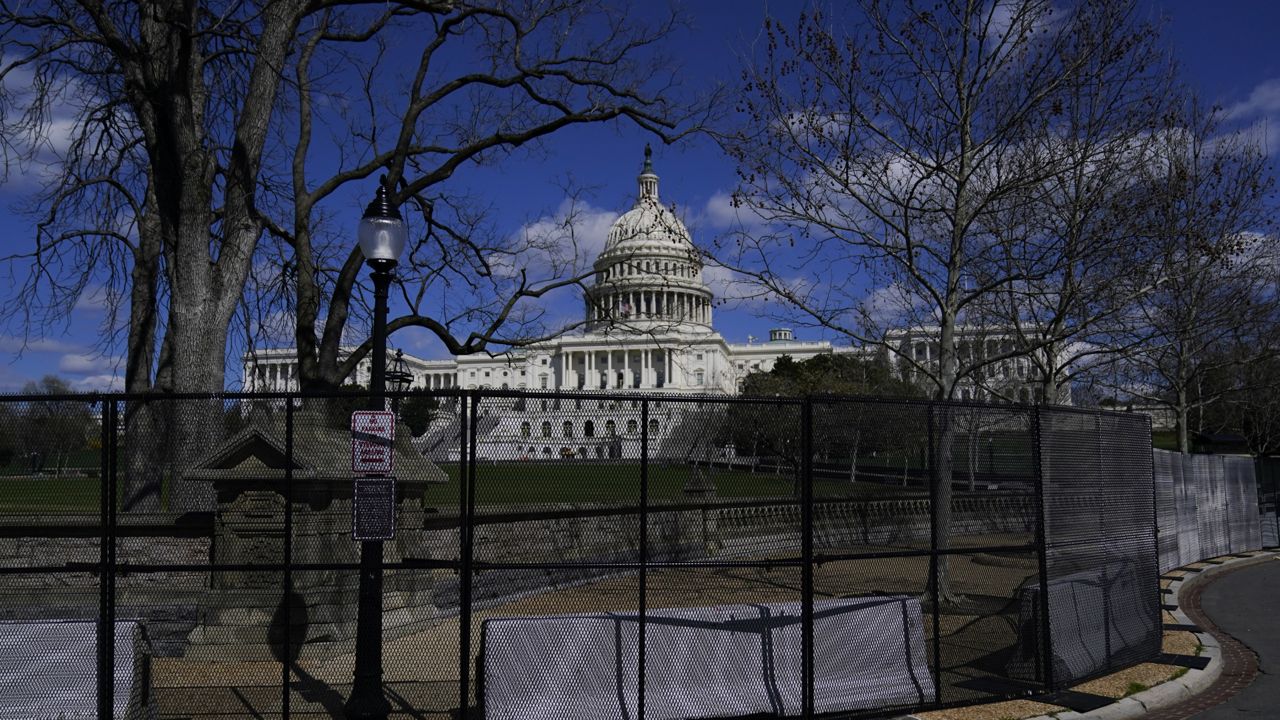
34, 494
524, 483
1134, 688
506, 484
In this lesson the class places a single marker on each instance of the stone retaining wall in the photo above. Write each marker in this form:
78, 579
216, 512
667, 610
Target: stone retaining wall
196, 613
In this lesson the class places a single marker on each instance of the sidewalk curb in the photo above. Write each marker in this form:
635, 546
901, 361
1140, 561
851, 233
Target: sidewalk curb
1173, 692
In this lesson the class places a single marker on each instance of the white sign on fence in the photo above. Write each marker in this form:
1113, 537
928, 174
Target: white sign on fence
373, 433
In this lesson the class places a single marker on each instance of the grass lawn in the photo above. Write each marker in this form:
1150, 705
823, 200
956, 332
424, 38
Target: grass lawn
509, 483
22, 494
618, 483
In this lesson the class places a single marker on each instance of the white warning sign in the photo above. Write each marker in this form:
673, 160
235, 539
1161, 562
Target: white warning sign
373, 434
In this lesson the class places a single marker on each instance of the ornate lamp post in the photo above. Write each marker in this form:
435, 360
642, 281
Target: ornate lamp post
398, 379
382, 238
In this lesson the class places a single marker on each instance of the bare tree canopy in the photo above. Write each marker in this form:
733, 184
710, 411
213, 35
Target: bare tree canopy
207, 154
898, 156
1215, 306
916, 150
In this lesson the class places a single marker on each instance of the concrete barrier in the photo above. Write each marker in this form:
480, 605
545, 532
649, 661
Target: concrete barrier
706, 662
49, 670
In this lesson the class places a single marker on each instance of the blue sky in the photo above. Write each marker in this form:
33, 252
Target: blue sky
1226, 50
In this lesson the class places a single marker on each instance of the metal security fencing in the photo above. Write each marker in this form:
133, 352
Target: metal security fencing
562, 555
1267, 473
1207, 505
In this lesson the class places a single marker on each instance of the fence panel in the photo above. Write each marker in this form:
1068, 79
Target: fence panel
1103, 566
558, 552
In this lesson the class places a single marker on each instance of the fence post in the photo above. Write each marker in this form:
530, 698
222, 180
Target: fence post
644, 553
287, 609
936, 600
106, 565
466, 511
806, 550
1046, 640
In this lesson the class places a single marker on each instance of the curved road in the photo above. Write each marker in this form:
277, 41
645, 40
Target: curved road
1246, 605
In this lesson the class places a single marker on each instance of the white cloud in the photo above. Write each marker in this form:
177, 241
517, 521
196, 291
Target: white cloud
559, 245
891, 306
103, 382
1264, 100
93, 299
86, 363
16, 345
720, 212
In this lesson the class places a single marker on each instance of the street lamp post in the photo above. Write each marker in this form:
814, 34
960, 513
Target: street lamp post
399, 378
382, 238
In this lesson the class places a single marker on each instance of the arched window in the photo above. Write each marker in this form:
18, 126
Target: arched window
631, 427
653, 427
525, 430
568, 429
546, 429
588, 429
699, 378
546, 452
544, 406
610, 428
582, 452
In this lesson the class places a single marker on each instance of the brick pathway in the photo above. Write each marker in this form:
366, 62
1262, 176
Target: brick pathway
1239, 668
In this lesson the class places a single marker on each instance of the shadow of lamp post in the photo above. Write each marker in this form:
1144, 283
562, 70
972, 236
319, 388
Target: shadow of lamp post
382, 238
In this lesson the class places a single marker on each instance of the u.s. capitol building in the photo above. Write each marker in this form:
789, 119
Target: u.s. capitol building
649, 329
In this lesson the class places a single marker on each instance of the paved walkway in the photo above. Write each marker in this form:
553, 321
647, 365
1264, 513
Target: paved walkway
1243, 604
1246, 605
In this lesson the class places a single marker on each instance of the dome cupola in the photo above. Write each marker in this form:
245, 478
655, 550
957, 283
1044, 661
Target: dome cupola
649, 276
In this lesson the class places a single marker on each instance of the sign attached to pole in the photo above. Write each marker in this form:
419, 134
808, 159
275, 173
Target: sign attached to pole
373, 509
373, 434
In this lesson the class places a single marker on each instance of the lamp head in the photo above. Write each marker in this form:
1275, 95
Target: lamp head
382, 231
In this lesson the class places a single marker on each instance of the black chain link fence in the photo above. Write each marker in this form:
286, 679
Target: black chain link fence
571, 555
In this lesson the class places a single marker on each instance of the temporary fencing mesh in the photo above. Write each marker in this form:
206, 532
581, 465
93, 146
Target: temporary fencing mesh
559, 553
1206, 505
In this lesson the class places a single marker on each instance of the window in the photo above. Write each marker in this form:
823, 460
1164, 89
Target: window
544, 406
588, 429
525, 430
544, 361
610, 428
653, 427
546, 452
546, 429
631, 427
568, 429
697, 356
542, 381
699, 378
486, 373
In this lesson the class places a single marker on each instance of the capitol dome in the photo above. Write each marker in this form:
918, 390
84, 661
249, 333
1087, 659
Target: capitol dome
649, 275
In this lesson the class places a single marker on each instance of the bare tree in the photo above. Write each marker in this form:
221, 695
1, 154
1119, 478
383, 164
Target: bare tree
179, 136
898, 150
1207, 203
